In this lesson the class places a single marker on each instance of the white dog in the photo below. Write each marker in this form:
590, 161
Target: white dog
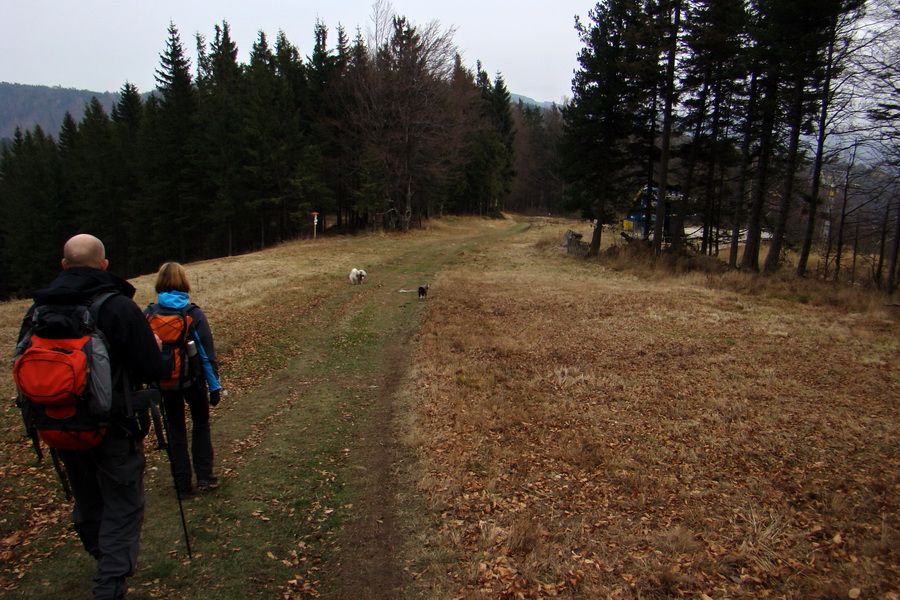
357, 276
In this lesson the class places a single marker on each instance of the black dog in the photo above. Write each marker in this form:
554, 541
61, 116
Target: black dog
423, 290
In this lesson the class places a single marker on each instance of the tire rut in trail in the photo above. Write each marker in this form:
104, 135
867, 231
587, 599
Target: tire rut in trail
368, 566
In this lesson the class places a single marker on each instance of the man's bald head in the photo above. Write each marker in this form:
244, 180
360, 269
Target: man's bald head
84, 250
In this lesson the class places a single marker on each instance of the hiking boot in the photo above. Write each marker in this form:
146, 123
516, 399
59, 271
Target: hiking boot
112, 588
208, 482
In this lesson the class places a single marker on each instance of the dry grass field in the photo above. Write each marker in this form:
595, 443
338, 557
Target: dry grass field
591, 433
564, 428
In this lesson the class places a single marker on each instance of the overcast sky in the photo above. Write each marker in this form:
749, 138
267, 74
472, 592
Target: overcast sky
98, 45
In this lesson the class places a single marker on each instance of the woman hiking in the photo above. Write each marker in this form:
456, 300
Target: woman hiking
185, 332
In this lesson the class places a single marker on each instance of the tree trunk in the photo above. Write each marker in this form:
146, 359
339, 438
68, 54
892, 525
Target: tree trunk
819, 158
830, 242
711, 220
262, 229
839, 243
667, 134
648, 210
719, 206
692, 159
878, 274
895, 255
742, 179
773, 259
750, 261
406, 218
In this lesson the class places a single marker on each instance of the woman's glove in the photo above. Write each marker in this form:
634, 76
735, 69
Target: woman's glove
215, 397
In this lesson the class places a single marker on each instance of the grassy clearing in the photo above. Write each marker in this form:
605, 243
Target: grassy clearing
542, 426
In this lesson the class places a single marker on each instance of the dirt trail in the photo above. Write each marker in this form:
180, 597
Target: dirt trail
368, 566
371, 563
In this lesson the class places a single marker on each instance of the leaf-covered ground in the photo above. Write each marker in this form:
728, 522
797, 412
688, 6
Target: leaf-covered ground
590, 434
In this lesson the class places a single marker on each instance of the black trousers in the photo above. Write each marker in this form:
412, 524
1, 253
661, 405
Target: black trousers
108, 485
201, 449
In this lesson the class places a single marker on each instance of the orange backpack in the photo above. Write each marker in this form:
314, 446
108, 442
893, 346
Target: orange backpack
174, 326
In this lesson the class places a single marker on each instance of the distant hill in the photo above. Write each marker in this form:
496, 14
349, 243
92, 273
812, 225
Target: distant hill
25, 106
526, 100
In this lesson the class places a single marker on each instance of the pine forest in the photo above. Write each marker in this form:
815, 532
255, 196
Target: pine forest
740, 129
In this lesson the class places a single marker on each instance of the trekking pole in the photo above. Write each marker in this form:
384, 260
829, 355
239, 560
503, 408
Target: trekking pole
158, 426
36, 444
187, 539
61, 473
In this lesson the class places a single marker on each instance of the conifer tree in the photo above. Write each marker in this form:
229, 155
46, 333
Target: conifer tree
68, 133
364, 172
321, 68
67, 156
668, 89
34, 211
128, 111
713, 84
171, 200
220, 155
290, 67
504, 128
341, 161
603, 115
324, 72
127, 116
783, 36
463, 193
766, 31
490, 169
90, 169
272, 137
834, 95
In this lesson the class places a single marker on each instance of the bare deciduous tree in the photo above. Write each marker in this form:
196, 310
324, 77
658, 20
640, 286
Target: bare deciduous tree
403, 108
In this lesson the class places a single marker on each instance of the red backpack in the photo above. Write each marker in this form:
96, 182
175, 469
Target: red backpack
63, 376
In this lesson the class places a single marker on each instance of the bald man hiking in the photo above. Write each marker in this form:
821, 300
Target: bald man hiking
107, 480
